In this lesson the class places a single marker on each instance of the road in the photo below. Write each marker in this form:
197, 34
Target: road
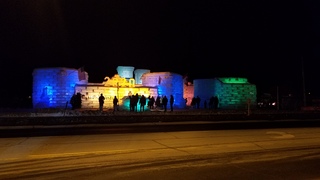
202, 153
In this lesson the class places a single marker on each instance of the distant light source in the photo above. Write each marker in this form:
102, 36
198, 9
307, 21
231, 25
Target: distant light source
234, 80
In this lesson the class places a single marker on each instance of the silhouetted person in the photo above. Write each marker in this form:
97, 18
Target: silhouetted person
171, 102
131, 103
198, 102
152, 102
149, 102
164, 103
115, 104
77, 101
135, 102
205, 104
73, 101
194, 102
101, 102
158, 103
142, 102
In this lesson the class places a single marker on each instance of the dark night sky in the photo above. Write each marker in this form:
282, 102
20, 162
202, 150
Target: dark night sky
260, 40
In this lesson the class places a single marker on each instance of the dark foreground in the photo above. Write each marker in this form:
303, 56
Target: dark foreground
151, 127
56, 117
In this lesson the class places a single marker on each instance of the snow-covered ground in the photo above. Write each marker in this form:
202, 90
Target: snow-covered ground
109, 112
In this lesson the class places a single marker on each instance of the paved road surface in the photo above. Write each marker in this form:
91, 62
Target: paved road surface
265, 153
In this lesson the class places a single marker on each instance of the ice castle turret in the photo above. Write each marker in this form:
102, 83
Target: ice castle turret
138, 73
125, 71
167, 84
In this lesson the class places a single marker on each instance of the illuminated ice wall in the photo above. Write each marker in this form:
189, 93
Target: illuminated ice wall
167, 84
234, 92
53, 87
91, 92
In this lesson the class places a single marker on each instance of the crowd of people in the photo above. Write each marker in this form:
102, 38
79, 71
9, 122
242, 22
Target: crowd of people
160, 103
213, 103
151, 102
